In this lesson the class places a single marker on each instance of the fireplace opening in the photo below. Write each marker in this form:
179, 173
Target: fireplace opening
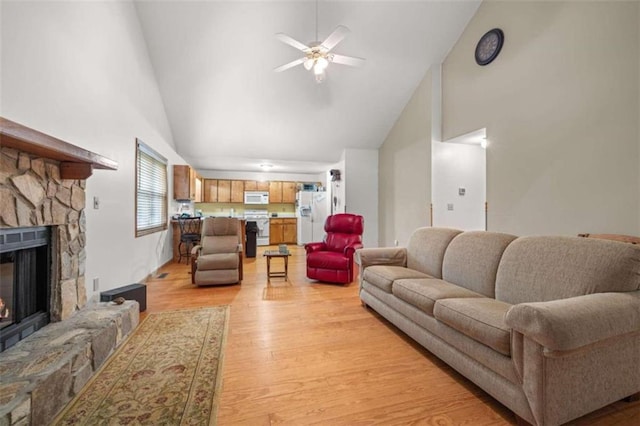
25, 269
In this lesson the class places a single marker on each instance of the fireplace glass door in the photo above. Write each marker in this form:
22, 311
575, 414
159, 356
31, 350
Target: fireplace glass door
24, 283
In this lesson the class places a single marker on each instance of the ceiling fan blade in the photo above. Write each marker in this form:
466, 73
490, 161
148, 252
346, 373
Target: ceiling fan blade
292, 42
335, 37
346, 60
290, 65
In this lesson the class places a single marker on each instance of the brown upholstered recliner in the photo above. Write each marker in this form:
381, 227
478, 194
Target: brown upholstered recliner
218, 257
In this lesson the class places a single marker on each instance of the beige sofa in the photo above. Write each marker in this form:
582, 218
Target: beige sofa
548, 326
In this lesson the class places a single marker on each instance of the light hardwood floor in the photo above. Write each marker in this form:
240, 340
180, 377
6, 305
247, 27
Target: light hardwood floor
300, 352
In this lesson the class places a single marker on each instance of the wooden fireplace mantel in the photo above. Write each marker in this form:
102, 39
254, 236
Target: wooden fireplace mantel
75, 162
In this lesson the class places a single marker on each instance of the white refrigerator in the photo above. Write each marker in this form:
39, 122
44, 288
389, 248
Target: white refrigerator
312, 209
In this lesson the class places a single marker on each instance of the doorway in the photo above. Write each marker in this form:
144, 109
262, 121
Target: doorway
459, 182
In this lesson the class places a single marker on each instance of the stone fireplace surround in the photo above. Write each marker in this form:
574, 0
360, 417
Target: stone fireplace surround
42, 183
33, 194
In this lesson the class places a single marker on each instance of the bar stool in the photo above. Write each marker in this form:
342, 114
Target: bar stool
189, 236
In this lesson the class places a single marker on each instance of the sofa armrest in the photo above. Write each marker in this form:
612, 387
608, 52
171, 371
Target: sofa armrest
567, 324
195, 250
311, 247
393, 256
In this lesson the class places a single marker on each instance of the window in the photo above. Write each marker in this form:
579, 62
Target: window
151, 190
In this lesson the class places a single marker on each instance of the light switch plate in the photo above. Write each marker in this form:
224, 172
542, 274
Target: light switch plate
96, 203
450, 206
461, 191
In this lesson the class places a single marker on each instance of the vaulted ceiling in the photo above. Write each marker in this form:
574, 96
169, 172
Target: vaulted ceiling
229, 110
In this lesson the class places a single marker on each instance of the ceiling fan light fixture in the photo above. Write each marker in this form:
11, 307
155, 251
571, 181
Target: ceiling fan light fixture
308, 64
320, 76
317, 55
321, 65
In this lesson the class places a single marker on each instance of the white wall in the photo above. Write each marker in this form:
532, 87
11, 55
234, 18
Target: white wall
79, 71
561, 108
405, 169
361, 190
457, 166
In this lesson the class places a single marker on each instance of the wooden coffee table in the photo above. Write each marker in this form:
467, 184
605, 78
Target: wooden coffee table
277, 253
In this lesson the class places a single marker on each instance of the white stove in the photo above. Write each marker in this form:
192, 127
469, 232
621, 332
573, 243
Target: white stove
261, 217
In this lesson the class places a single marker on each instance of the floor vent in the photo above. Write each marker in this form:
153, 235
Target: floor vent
162, 275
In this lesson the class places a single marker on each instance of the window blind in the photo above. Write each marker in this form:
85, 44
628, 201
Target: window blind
151, 190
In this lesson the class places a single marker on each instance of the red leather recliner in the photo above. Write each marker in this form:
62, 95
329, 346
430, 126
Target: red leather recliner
332, 260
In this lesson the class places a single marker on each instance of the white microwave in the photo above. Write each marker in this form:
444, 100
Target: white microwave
256, 197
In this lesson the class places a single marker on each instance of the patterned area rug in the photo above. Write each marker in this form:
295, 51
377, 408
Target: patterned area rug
168, 372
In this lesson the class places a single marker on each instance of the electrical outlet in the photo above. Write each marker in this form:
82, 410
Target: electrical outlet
96, 203
450, 206
395, 242
96, 284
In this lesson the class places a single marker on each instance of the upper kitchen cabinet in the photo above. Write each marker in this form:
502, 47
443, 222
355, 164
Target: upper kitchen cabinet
282, 192
275, 192
237, 191
289, 192
254, 185
211, 190
224, 191
187, 185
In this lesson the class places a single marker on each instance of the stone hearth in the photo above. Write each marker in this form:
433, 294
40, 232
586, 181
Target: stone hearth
42, 373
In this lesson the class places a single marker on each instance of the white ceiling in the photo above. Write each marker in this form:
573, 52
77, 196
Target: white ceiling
229, 110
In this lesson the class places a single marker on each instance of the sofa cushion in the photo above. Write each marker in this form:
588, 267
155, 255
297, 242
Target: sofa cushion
328, 260
424, 292
540, 269
472, 260
218, 261
481, 319
426, 248
383, 276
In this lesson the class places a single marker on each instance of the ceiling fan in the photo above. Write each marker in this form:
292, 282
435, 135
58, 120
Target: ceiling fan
318, 55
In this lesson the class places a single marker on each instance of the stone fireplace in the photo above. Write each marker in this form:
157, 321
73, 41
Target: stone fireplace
42, 193
34, 194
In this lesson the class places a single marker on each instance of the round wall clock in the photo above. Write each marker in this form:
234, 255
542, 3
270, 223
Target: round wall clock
489, 46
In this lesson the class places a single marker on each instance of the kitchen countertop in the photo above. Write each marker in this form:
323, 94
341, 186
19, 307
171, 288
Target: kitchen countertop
279, 216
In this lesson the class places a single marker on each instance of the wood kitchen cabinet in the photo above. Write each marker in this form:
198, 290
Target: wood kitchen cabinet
290, 231
187, 185
283, 231
275, 192
282, 192
289, 192
224, 191
199, 189
255, 185
237, 191
210, 190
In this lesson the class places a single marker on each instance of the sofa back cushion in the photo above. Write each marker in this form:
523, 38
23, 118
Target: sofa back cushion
426, 248
472, 258
538, 269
